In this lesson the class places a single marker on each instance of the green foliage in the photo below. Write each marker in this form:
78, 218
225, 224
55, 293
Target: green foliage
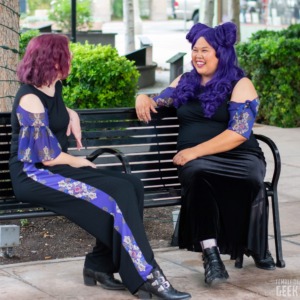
25, 37
272, 59
293, 31
61, 14
100, 78
118, 9
264, 34
37, 4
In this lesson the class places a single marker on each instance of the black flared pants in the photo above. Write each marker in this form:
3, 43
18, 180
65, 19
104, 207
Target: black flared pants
109, 254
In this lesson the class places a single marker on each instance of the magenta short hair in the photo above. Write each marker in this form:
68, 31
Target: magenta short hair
47, 56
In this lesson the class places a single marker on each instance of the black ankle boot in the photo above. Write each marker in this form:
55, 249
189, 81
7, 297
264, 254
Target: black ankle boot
158, 285
215, 271
266, 263
106, 280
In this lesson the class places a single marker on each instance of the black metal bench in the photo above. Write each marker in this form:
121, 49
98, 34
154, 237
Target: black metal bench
116, 139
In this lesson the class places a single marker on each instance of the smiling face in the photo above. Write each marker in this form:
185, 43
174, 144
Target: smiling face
204, 60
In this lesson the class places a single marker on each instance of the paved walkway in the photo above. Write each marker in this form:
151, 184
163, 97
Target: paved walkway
62, 279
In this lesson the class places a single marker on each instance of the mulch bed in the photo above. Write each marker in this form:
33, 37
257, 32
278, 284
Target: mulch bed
57, 237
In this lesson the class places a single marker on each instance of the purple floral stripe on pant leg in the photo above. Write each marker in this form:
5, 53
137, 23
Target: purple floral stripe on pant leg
100, 199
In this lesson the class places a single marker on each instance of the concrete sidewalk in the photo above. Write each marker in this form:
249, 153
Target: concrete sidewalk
62, 279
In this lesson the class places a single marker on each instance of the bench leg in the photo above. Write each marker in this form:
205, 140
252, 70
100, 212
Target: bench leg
174, 241
277, 234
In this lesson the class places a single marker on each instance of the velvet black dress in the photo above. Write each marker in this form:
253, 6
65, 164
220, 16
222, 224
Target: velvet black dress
223, 194
108, 205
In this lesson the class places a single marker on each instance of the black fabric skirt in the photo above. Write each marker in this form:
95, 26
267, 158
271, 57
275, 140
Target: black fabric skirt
224, 198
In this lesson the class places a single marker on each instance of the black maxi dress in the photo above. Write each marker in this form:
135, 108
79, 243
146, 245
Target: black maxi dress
223, 194
108, 205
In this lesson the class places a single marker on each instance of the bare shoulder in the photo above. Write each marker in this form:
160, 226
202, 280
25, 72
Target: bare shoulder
244, 90
32, 103
174, 83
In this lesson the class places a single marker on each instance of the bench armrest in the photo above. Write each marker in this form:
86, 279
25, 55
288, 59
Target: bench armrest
276, 157
120, 155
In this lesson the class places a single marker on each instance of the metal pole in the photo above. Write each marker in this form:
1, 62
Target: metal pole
73, 21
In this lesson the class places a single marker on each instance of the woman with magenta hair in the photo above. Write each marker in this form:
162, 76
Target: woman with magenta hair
43, 173
220, 164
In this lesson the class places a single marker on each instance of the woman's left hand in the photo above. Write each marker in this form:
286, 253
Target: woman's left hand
144, 105
184, 156
74, 127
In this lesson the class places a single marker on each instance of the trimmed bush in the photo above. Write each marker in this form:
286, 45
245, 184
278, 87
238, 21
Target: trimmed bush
100, 78
272, 59
25, 37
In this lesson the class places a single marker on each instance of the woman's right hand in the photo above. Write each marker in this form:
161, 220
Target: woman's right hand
67, 159
80, 162
144, 105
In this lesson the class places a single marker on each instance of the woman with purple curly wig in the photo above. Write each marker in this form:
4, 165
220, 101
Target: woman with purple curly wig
220, 164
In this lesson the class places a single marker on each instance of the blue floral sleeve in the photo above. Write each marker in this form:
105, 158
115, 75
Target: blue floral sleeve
242, 116
165, 97
36, 141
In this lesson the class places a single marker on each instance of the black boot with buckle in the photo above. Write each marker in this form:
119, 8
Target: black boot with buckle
215, 271
159, 286
106, 280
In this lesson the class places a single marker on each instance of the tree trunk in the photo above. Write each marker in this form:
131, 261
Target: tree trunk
9, 57
209, 12
128, 13
235, 6
138, 23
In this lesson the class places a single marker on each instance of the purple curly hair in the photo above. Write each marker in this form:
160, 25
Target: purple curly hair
222, 38
46, 57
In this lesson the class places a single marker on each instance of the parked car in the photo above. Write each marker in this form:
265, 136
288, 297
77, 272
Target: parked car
187, 9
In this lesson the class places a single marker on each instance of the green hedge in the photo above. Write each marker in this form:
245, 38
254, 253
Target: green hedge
272, 60
100, 78
25, 37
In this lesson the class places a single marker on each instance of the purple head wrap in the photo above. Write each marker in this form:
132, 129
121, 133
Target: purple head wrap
222, 38
222, 35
